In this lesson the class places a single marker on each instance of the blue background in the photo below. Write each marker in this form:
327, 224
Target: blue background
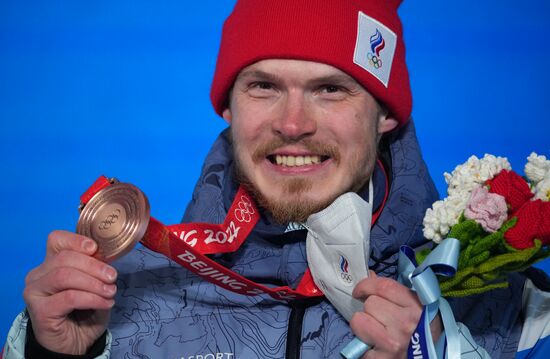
121, 88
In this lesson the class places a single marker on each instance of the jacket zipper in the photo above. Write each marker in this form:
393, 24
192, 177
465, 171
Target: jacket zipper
295, 321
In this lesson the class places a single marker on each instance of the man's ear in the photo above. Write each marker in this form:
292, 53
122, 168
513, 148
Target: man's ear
386, 123
226, 114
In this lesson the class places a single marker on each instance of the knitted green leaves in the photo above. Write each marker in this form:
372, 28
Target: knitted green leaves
485, 258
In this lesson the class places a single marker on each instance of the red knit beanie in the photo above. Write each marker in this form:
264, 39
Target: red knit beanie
363, 38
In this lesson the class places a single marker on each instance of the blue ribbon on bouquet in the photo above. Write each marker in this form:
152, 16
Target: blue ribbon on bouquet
443, 260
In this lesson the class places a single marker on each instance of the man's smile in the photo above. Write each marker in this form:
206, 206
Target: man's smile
296, 160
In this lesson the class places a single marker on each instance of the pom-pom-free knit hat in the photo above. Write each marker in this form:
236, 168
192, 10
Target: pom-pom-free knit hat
363, 38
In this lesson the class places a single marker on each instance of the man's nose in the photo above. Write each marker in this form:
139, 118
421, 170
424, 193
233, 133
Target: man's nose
295, 118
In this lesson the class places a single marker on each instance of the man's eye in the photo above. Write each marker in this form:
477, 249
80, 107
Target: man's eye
261, 89
331, 88
262, 85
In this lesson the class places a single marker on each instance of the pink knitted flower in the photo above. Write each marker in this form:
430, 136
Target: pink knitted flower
487, 209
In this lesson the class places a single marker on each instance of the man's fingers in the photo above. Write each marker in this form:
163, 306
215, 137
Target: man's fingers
72, 288
66, 278
393, 317
385, 288
62, 240
372, 332
75, 260
63, 303
391, 313
33, 275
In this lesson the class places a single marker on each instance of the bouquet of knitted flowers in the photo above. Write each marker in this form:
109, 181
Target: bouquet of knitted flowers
501, 219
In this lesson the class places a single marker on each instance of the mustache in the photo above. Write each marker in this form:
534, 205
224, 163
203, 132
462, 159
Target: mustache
313, 146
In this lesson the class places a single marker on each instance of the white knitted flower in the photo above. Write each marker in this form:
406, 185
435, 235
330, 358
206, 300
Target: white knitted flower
443, 215
542, 188
473, 173
536, 168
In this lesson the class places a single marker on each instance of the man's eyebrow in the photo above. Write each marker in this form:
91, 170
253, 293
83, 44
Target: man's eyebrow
259, 75
332, 79
335, 79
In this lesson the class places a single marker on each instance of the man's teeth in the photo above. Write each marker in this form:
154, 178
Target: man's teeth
292, 161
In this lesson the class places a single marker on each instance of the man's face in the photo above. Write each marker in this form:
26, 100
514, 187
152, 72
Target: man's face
303, 134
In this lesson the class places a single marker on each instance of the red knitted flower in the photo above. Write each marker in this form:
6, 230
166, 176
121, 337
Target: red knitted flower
512, 187
533, 223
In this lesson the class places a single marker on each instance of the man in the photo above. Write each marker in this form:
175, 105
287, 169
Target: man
318, 101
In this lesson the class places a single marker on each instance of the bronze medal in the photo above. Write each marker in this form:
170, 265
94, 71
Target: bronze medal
116, 218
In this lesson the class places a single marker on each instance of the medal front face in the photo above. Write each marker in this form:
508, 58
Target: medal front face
116, 218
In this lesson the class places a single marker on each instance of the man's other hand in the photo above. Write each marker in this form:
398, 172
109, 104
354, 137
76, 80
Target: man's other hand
69, 295
391, 314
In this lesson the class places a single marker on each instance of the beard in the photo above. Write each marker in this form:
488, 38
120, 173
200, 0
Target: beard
293, 205
287, 210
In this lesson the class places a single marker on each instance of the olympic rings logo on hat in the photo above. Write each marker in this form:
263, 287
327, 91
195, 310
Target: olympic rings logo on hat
374, 61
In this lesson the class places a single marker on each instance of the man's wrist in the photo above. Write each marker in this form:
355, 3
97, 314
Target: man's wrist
33, 349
